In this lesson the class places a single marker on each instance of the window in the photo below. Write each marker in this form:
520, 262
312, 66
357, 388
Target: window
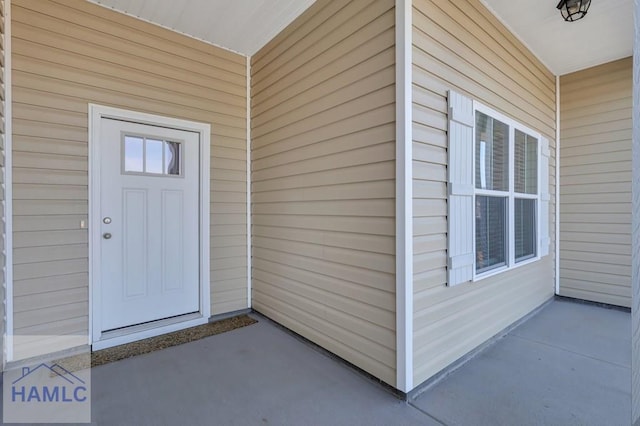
497, 192
151, 156
506, 192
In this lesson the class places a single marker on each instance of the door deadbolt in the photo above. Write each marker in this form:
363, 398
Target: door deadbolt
106, 236
107, 220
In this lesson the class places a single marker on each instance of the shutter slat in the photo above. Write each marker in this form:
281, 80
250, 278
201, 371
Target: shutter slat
460, 180
545, 241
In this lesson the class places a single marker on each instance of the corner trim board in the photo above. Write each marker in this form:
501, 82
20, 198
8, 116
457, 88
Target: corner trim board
404, 197
557, 206
248, 182
8, 188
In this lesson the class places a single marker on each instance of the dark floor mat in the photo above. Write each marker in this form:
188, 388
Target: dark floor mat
152, 344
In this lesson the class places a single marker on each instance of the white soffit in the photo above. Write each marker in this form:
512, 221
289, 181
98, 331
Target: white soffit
243, 26
604, 35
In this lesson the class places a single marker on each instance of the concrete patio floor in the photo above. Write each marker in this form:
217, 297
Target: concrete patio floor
256, 375
568, 365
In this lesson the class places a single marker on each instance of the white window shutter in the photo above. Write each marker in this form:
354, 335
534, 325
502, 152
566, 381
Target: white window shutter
545, 241
460, 183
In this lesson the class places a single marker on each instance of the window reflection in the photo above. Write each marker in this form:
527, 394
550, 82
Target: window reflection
526, 163
133, 148
492, 153
152, 156
172, 158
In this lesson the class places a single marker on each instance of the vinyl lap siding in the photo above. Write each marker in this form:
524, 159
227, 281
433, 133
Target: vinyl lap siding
3, 107
67, 54
595, 177
323, 186
461, 46
635, 309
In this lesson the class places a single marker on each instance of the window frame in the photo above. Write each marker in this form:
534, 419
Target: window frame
511, 194
144, 137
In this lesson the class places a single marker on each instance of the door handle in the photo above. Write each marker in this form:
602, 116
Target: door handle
106, 236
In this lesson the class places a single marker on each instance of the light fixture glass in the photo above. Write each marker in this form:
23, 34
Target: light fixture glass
573, 10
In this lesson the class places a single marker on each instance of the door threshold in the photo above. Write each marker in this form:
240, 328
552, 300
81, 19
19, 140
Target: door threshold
124, 335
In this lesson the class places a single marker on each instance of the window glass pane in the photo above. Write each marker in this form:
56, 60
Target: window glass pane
492, 153
154, 156
172, 158
525, 229
133, 154
491, 232
526, 163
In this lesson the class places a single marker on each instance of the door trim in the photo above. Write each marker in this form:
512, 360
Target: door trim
96, 114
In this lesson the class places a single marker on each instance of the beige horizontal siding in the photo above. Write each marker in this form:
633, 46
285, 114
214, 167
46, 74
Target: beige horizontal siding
323, 180
595, 183
462, 46
67, 54
2, 174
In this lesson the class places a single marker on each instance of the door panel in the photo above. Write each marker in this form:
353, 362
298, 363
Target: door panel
134, 247
172, 239
150, 247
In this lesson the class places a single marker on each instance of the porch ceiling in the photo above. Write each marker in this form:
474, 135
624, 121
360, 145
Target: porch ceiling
604, 35
243, 26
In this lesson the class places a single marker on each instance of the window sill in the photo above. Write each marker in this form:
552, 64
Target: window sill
503, 269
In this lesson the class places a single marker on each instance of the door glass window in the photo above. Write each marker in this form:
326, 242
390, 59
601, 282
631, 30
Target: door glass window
154, 156
151, 156
172, 158
133, 157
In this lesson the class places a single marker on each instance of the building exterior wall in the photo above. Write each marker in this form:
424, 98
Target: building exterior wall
461, 46
3, 170
67, 54
595, 183
635, 309
323, 180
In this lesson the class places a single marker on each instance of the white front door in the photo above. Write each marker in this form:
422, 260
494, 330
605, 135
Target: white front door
149, 223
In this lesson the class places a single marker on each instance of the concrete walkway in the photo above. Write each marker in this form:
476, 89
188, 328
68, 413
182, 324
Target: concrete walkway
256, 375
569, 365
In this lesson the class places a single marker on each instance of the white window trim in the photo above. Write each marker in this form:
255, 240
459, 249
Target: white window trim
512, 195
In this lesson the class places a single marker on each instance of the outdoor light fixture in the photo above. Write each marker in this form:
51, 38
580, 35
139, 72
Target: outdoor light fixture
573, 10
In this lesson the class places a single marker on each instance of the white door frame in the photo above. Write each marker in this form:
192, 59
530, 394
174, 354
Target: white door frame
96, 114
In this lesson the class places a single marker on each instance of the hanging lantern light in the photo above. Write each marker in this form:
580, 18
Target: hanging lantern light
573, 10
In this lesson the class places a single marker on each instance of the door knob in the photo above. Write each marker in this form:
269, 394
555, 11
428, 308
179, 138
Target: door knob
106, 235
